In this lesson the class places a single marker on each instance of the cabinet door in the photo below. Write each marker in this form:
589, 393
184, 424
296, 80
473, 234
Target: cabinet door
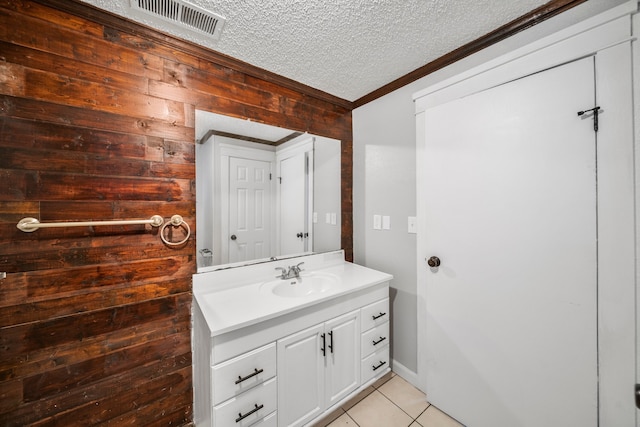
300, 377
342, 374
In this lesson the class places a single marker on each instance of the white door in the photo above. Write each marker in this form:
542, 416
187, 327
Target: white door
511, 214
301, 376
249, 209
342, 356
293, 202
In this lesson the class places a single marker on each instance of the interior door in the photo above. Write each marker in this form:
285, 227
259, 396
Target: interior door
511, 215
249, 209
293, 202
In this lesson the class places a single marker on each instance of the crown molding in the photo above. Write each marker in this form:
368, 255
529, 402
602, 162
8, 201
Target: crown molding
536, 16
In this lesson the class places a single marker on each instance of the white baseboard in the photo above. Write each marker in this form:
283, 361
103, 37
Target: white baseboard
407, 374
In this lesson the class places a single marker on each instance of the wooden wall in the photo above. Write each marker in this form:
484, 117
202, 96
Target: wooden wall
97, 123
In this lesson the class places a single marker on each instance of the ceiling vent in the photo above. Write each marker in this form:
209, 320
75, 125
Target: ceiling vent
182, 14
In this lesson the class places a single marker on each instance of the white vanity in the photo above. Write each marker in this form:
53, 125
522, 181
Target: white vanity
283, 352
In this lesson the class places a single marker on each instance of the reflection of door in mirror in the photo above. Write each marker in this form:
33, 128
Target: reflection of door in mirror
245, 230
295, 196
249, 206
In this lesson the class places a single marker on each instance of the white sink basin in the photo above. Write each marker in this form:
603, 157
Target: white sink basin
306, 284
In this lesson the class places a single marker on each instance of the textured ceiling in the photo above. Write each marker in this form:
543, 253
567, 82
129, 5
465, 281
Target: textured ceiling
347, 48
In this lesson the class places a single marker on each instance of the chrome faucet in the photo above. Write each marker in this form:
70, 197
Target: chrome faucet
292, 272
295, 270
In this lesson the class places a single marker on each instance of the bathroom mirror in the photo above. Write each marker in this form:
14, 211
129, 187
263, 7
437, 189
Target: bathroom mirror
263, 191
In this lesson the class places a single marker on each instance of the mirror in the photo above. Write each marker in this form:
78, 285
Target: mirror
263, 191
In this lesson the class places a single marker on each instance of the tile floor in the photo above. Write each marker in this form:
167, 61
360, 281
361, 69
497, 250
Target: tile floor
390, 402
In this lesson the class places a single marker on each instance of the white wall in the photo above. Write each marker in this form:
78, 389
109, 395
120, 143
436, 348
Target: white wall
384, 180
326, 194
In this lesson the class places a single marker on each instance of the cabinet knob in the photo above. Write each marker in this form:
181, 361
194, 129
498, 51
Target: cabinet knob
233, 237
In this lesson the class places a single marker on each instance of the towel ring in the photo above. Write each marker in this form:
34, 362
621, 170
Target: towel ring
176, 221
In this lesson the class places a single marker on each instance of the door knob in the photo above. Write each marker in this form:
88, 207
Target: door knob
233, 237
434, 261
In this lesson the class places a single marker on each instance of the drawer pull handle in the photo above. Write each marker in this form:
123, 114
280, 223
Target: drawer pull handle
379, 341
253, 374
323, 349
382, 363
242, 417
379, 315
331, 345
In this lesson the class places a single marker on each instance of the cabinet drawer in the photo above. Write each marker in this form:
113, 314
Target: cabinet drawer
270, 420
237, 375
375, 364
375, 339
247, 408
375, 314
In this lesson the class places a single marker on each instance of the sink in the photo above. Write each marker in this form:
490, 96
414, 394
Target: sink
306, 284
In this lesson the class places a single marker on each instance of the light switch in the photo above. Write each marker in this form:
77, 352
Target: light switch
386, 222
334, 218
377, 222
412, 225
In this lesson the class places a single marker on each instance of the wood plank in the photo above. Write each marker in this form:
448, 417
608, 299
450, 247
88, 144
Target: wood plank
174, 69
179, 152
43, 359
53, 138
23, 338
58, 17
152, 382
132, 209
13, 212
82, 163
91, 279
60, 252
64, 378
51, 186
12, 79
169, 170
196, 80
15, 183
13, 290
142, 402
39, 34
83, 118
72, 210
40, 60
180, 412
76, 92
33, 311
37, 286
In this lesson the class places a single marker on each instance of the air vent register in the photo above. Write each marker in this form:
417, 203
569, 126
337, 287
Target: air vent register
182, 14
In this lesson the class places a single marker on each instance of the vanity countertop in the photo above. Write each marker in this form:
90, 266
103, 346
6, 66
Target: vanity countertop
227, 308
